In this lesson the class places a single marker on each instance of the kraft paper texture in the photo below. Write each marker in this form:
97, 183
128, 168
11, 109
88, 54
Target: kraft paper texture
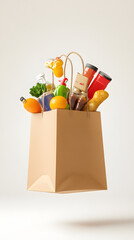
66, 152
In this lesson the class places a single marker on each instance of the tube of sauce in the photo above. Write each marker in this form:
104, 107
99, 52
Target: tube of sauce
90, 70
100, 83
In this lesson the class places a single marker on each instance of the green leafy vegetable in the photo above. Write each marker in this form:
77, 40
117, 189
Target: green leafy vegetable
38, 90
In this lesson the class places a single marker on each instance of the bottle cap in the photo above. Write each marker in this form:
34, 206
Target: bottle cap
92, 67
105, 76
41, 77
22, 99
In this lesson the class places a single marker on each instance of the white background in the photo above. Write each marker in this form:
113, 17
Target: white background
32, 31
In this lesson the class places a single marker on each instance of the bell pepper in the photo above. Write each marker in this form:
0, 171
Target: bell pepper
57, 66
61, 90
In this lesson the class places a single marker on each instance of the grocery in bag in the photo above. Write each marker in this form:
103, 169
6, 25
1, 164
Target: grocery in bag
66, 147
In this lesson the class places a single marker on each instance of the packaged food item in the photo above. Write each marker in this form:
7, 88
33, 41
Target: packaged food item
99, 83
74, 98
98, 98
47, 97
89, 72
81, 101
73, 101
31, 105
56, 65
58, 102
81, 82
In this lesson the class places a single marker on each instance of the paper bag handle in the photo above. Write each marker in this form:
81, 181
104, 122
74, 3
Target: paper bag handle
81, 61
43, 108
64, 72
67, 58
72, 80
79, 57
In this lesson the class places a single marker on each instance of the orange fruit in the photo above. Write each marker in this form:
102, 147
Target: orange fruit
58, 102
31, 105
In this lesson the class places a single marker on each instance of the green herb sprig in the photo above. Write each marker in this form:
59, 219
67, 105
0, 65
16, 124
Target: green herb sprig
38, 90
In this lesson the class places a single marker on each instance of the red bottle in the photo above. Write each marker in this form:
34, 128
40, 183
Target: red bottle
90, 70
99, 83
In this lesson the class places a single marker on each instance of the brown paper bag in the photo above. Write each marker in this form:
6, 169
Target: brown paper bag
66, 152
